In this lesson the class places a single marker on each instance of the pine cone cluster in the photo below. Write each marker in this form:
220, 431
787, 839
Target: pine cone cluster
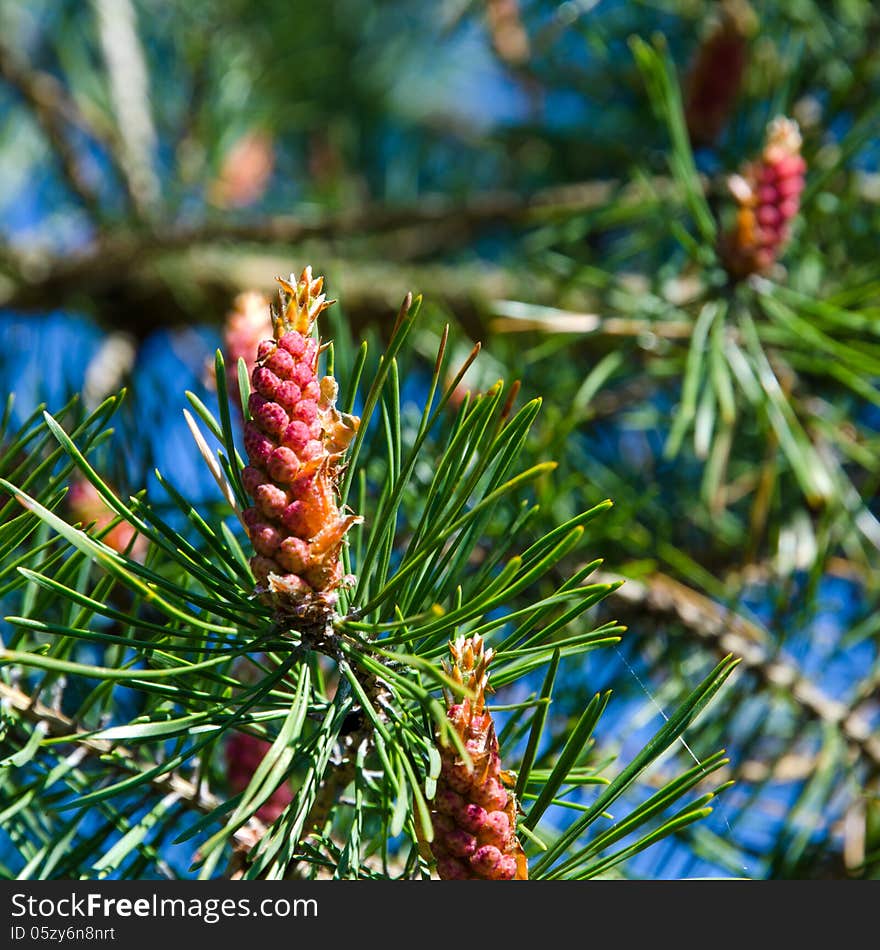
473, 812
295, 439
767, 194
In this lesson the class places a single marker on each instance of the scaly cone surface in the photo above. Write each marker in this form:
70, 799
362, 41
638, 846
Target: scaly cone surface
295, 440
473, 814
767, 194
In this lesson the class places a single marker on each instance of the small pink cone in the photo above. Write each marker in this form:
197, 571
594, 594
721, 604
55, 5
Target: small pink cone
294, 440
473, 813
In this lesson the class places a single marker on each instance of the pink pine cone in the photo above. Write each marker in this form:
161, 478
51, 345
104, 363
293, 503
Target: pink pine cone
473, 814
768, 197
294, 440
780, 183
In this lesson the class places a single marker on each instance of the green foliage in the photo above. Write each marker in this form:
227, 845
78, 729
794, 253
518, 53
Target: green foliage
439, 555
551, 207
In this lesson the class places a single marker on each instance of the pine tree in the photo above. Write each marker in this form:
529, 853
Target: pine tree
333, 675
274, 596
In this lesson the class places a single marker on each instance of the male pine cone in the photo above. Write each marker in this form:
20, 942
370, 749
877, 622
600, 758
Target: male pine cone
767, 195
295, 440
473, 814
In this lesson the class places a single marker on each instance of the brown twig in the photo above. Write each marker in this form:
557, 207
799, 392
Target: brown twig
122, 255
141, 296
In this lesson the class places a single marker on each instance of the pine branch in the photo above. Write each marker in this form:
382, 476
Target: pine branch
383, 613
728, 632
129, 89
214, 275
122, 253
57, 725
53, 111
